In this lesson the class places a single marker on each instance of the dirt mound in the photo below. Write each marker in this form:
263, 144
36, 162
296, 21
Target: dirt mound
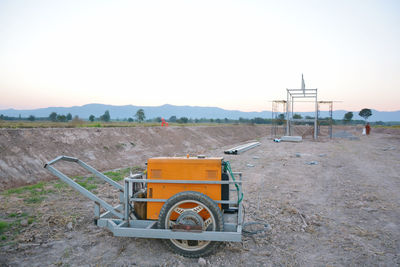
25, 151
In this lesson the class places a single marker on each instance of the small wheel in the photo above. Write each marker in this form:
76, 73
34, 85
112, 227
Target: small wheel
191, 208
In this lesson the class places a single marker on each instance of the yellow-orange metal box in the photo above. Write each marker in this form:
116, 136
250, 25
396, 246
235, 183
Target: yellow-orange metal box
202, 169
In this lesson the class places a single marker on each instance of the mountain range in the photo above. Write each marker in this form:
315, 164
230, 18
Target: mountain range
166, 111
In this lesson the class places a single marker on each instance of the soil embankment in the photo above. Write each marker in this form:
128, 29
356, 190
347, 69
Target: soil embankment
23, 152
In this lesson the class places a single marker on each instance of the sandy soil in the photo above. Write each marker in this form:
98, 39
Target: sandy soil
343, 209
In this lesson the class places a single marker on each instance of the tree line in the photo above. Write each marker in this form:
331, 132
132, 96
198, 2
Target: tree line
140, 117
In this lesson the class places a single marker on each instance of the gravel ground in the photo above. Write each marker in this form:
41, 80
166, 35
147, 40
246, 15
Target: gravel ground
329, 203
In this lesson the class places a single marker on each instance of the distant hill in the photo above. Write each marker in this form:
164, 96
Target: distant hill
166, 111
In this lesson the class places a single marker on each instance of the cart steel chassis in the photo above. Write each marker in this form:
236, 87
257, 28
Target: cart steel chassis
121, 221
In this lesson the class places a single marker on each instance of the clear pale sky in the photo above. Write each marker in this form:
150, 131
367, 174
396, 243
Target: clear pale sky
230, 54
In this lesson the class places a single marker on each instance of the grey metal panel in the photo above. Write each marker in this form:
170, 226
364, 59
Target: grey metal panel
303, 96
179, 181
141, 223
230, 227
164, 200
144, 228
312, 89
152, 225
126, 200
240, 208
96, 210
291, 138
123, 224
168, 234
108, 214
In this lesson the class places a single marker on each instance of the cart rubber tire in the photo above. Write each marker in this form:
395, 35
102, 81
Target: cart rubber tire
207, 202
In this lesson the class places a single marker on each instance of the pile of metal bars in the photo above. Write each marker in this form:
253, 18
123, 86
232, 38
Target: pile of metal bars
242, 148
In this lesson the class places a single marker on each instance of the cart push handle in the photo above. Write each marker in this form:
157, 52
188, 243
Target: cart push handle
98, 201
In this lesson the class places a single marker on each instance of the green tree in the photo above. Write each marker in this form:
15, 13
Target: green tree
183, 120
130, 120
297, 116
172, 119
53, 116
31, 118
69, 116
91, 118
348, 116
258, 120
140, 116
61, 118
365, 113
281, 119
106, 116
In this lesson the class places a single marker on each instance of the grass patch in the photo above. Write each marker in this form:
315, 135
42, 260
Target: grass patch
34, 199
87, 182
17, 215
97, 125
30, 193
3, 226
119, 175
387, 126
18, 190
115, 175
24, 189
60, 185
31, 220
87, 185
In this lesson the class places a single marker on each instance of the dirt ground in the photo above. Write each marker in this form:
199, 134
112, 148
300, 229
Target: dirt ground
23, 152
329, 203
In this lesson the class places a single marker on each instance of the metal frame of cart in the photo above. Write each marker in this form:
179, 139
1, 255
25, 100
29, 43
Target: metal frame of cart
121, 221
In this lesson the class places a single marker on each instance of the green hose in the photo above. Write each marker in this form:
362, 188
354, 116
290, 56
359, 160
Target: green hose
227, 167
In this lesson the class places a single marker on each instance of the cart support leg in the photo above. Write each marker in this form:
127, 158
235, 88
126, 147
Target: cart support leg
126, 202
96, 212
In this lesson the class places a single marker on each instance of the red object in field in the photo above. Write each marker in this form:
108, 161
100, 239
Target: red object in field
367, 129
163, 122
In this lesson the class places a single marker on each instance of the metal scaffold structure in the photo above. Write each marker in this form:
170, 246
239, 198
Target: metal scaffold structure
292, 95
278, 118
283, 112
329, 119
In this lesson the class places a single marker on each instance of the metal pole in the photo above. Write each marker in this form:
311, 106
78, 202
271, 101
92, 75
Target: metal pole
291, 119
316, 117
287, 113
272, 120
330, 119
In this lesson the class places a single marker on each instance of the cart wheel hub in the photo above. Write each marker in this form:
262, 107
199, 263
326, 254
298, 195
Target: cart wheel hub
190, 218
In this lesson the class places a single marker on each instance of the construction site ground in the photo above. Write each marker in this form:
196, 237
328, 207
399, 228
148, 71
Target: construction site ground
334, 202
